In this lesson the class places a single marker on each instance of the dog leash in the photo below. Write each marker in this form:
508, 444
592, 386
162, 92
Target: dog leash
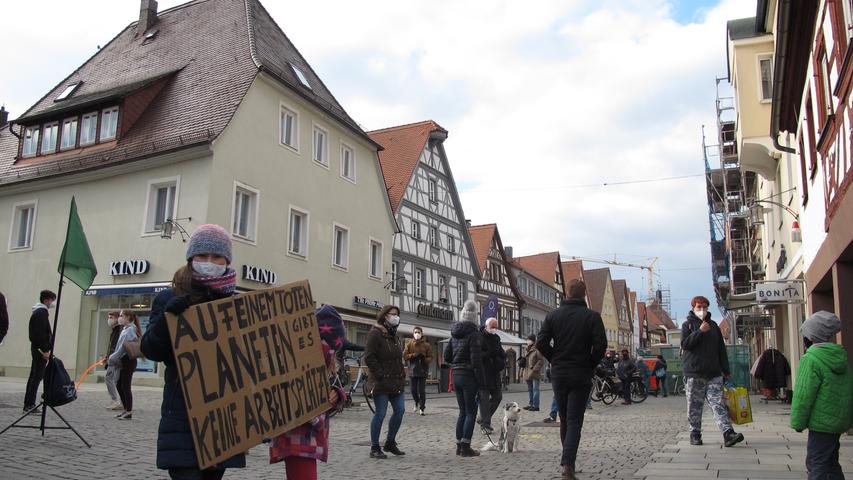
486, 433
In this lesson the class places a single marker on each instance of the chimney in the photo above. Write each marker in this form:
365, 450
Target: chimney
4, 116
147, 16
508, 251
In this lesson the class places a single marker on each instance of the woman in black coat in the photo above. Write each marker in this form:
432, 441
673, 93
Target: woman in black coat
464, 355
207, 276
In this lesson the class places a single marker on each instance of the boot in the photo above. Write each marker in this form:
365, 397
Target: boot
376, 452
465, 450
730, 438
458, 448
568, 473
695, 438
391, 447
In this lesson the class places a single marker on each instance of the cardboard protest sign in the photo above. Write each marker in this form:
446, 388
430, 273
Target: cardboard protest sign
251, 367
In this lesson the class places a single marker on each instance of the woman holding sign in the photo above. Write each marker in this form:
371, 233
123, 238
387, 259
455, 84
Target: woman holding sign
207, 276
384, 359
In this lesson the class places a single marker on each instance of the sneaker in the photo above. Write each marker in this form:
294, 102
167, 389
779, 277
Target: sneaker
391, 447
730, 438
376, 452
421, 412
415, 410
695, 438
125, 416
549, 420
121, 414
116, 406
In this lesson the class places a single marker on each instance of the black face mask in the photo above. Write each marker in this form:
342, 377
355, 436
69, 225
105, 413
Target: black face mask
807, 343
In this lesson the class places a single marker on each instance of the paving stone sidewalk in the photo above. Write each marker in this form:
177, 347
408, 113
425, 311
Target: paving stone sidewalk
771, 451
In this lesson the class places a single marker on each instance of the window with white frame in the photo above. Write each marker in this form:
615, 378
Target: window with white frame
395, 269
419, 282
69, 134
765, 69
443, 292
162, 203
375, 267
433, 236
89, 129
49, 136
109, 123
289, 128
321, 146
433, 190
451, 243
23, 224
297, 233
341, 253
416, 230
31, 141
348, 163
461, 292
245, 212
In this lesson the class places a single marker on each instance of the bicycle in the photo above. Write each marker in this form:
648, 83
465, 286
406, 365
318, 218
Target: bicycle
343, 378
639, 393
678, 386
603, 390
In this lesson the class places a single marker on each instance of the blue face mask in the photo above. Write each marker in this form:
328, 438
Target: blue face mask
208, 269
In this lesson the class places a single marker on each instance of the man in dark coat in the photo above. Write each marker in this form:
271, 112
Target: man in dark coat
40, 345
579, 344
494, 362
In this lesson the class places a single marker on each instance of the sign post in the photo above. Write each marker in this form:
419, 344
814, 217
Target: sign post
251, 367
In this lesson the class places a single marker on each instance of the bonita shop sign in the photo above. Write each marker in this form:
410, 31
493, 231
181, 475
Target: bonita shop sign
779, 292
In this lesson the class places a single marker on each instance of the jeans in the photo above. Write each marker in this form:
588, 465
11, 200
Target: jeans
571, 396
419, 391
465, 387
662, 385
398, 404
490, 399
36, 377
111, 378
533, 392
822, 456
196, 474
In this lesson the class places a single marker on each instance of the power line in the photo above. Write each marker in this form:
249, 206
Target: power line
588, 185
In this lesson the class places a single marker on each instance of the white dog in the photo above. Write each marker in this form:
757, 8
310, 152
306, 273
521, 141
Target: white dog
510, 430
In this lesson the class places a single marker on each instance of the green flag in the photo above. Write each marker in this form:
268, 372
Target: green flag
76, 262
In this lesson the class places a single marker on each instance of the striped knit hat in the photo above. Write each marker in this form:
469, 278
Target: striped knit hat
210, 239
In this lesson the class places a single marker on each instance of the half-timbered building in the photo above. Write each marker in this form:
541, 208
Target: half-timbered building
432, 269
496, 279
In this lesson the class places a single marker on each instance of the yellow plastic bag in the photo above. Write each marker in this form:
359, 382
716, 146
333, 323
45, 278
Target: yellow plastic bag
740, 410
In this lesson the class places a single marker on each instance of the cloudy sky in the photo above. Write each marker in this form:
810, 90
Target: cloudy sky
542, 100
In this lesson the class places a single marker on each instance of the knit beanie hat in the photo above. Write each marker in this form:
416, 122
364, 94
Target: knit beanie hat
210, 239
331, 325
469, 312
821, 327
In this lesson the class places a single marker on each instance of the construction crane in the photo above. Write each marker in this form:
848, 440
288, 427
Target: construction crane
650, 267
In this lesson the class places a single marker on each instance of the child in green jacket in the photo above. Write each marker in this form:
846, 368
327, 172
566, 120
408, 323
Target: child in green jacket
823, 395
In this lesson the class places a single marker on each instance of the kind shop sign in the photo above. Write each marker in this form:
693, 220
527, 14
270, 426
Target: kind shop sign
251, 367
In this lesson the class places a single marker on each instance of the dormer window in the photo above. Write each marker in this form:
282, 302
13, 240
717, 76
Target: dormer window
89, 130
49, 137
301, 76
31, 141
69, 134
109, 123
68, 91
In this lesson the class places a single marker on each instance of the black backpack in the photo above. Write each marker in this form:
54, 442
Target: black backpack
522, 362
59, 388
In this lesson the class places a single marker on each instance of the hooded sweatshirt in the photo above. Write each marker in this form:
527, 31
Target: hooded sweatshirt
40, 328
824, 391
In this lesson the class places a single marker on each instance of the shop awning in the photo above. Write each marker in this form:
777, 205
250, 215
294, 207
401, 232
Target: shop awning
357, 319
429, 332
127, 288
508, 339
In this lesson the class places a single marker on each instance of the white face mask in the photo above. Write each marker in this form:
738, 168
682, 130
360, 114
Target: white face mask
112, 321
700, 313
208, 269
418, 336
393, 320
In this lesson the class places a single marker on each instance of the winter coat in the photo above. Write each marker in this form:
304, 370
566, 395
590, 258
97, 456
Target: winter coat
128, 334
384, 359
579, 340
704, 352
419, 355
824, 393
464, 350
174, 437
40, 328
773, 369
311, 439
114, 339
4, 318
494, 359
534, 364
626, 368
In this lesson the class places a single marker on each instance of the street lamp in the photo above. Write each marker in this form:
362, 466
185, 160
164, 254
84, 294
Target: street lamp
170, 225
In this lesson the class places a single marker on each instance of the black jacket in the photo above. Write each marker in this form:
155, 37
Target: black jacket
174, 437
384, 359
773, 369
704, 352
494, 359
40, 330
464, 351
4, 318
579, 340
114, 339
625, 369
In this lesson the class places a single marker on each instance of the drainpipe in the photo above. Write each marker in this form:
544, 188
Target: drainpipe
781, 45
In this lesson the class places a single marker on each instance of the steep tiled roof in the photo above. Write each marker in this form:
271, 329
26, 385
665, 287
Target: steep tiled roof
619, 287
402, 149
213, 50
596, 285
572, 269
542, 265
658, 317
481, 237
641, 314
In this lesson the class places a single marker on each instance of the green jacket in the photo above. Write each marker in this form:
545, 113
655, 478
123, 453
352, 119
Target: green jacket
824, 393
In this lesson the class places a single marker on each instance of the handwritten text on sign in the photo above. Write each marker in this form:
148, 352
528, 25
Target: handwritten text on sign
251, 367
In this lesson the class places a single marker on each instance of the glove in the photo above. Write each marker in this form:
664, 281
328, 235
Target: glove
177, 305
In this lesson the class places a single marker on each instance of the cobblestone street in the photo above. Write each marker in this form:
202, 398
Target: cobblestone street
617, 442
